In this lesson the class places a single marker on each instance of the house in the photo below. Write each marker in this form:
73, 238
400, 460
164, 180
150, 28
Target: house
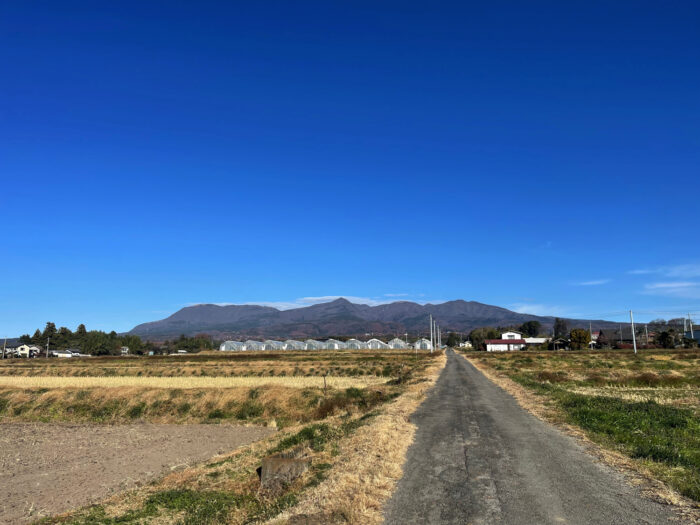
511, 335
608, 338
466, 344
423, 344
504, 345
27, 351
125, 350
376, 344
397, 343
355, 344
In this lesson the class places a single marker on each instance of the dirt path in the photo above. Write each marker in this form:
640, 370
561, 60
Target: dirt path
51, 468
479, 458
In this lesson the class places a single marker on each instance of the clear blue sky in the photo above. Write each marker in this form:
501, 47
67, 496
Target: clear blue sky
155, 155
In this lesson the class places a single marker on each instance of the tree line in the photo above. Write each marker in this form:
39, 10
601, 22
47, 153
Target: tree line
97, 342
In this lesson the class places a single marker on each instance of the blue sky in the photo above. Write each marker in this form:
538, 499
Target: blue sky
542, 156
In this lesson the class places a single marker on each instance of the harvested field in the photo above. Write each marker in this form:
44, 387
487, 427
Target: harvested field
48, 468
186, 382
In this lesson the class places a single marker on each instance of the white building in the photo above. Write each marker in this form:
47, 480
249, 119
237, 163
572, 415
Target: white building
465, 344
355, 344
27, 351
376, 344
397, 344
423, 344
511, 335
509, 341
251, 344
536, 340
334, 344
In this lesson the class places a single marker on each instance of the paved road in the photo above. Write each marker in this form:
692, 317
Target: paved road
479, 458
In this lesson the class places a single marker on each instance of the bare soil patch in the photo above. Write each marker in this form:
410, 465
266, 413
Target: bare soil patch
52, 468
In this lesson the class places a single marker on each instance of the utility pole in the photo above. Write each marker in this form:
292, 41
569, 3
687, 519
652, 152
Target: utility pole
590, 334
646, 333
4, 346
634, 338
48, 340
431, 333
620, 333
690, 321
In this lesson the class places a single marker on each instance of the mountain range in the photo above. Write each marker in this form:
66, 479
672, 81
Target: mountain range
339, 318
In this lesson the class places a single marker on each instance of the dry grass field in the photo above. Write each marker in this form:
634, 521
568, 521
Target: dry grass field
365, 403
646, 407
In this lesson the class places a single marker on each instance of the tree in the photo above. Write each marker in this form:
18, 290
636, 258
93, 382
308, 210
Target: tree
531, 328
479, 335
452, 339
579, 338
81, 330
560, 328
665, 339
49, 330
36, 338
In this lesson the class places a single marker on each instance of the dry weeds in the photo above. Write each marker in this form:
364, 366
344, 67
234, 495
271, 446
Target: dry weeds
187, 382
371, 463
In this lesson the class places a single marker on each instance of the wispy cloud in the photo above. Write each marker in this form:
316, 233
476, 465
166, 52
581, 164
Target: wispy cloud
595, 282
678, 271
685, 289
540, 309
396, 295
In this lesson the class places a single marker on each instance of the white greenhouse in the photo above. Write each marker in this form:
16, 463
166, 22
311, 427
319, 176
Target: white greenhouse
334, 344
397, 344
376, 344
291, 344
253, 345
423, 344
312, 344
271, 344
236, 346
355, 344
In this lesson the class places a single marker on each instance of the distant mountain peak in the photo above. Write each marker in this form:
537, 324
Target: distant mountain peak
338, 317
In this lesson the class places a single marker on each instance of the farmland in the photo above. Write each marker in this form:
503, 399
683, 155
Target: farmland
315, 403
646, 407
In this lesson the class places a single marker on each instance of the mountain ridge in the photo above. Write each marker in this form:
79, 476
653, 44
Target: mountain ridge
339, 317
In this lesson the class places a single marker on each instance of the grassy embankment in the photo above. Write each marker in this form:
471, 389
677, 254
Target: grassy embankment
646, 406
355, 436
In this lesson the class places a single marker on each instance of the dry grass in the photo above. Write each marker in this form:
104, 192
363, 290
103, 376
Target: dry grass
220, 364
356, 452
371, 463
186, 382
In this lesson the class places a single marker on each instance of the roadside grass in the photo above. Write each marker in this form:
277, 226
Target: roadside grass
227, 489
645, 406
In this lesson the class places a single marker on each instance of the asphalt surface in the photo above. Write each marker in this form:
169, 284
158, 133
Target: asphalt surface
479, 458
